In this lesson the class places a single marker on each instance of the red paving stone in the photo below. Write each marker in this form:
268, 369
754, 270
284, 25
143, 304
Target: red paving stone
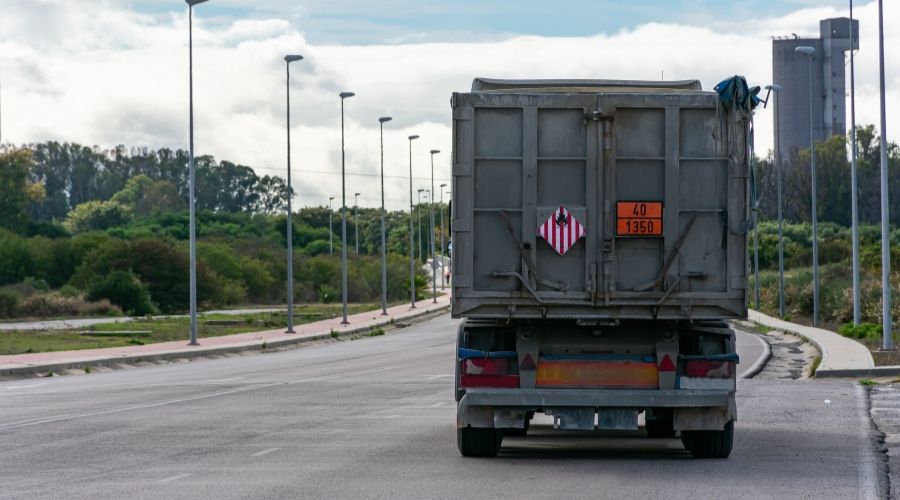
358, 320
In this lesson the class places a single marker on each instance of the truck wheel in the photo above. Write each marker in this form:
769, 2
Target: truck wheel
478, 442
709, 444
660, 426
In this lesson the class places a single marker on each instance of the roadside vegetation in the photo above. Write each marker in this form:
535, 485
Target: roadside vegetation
151, 330
86, 232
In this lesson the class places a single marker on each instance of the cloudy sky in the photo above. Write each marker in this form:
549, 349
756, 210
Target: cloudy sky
108, 72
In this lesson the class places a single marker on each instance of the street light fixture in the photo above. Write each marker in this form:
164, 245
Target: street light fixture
288, 59
344, 321
192, 178
412, 258
356, 218
330, 230
776, 89
441, 206
810, 51
433, 254
381, 122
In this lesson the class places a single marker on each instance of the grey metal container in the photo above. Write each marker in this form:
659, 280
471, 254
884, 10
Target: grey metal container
523, 149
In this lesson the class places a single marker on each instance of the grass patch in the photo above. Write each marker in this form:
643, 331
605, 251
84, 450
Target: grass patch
87, 368
154, 330
867, 382
376, 332
815, 366
761, 328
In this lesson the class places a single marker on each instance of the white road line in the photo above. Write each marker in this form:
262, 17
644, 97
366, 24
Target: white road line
29, 386
225, 379
164, 402
264, 452
176, 477
432, 377
437, 405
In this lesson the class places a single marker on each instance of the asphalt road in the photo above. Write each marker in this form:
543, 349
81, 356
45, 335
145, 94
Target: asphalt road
374, 418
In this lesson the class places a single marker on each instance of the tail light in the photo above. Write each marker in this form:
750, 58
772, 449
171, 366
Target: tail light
709, 369
499, 371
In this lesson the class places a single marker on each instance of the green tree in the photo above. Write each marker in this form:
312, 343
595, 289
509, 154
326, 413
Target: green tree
14, 191
98, 215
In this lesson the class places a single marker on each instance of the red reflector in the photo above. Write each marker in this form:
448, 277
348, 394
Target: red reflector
508, 381
709, 369
485, 366
666, 364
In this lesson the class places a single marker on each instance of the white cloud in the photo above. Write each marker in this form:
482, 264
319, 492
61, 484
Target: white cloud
95, 73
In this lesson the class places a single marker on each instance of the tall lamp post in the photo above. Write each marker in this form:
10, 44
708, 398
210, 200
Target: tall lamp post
774, 88
381, 122
419, 220
433, 254
330, 230
288, 59
854, 215
887, 340
192, 180
441, 206
356, 218
412, 257
809, 51
344, 95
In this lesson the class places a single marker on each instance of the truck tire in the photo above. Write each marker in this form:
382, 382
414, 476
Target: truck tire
478, 442
709, 444
660, 426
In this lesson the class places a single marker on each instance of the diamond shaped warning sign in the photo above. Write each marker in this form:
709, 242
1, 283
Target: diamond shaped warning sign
561, 230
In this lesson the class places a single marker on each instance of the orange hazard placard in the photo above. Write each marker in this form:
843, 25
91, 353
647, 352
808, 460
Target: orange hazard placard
639, 218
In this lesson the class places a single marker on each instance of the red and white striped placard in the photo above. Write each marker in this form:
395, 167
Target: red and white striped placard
561, 230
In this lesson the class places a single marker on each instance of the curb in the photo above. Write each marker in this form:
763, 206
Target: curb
761, 362
878, 371
256, 345
823, 371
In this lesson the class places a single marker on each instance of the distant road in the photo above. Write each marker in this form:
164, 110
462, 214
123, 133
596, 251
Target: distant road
66, 324
375, 418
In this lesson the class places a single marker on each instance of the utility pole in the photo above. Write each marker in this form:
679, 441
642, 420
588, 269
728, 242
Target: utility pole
854, 215
809, 51
778, 181
345, 321
412, 257
381, 122
288, 59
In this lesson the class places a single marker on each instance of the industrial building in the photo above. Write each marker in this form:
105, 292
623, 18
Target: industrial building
791, 70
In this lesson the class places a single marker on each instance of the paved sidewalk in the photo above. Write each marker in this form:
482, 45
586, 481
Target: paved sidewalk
22, 364
841, 356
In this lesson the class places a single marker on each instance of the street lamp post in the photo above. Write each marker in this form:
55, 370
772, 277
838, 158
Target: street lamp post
330, 230
809, 51
433, 254
887, 338
412, 257
854, 215
343, 95
356, 218
419, 220
381, 122
288, 59
441, 206
778, 176
192, 181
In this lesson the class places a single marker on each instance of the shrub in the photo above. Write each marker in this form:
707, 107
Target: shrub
8, 303
860, 331
98, 215
123, 289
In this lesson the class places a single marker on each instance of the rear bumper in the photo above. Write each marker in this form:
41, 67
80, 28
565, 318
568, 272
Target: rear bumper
601, 398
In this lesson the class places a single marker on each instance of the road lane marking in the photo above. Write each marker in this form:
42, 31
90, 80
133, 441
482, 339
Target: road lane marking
176, 477
225, 379
437, 405
432, 377
264, 452
207, 395
28, 386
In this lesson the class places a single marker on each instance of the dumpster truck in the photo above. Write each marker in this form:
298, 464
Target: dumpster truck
599, 246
